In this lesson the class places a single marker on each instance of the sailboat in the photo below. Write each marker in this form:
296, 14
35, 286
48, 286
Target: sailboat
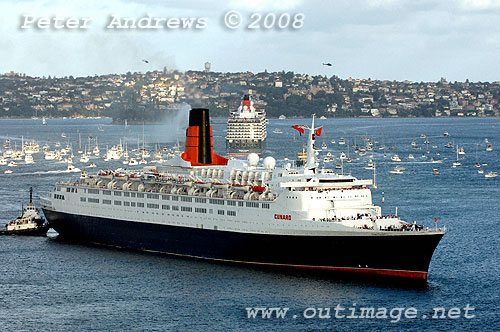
457, 163
369, 166
348, 155
143, 152
84, 158
477, 163
79, 143
96, 148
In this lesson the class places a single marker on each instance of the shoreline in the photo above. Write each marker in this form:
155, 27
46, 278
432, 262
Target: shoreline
130, 122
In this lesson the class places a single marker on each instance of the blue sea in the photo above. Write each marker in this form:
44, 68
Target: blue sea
50, 285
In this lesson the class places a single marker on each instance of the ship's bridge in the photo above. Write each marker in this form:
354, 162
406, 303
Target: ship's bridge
298, 180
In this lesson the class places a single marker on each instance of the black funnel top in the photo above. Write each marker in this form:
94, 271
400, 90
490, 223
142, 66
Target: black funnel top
200, 118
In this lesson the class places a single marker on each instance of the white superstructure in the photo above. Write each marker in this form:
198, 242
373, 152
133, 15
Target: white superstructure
246, 128
242, 196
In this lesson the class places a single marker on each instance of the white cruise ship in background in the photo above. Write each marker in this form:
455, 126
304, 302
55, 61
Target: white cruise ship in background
246, 129
201, 205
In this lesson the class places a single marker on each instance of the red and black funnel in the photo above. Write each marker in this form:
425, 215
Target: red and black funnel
199, 141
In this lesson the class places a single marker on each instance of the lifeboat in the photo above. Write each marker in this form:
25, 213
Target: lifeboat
258, 189
105, 175
186, 183
240, 187
135, 177
218, 185
201, 184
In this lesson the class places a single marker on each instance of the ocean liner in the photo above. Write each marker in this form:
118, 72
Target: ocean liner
201, 205
246, 129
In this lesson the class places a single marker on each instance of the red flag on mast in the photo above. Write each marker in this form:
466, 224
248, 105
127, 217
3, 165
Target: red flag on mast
299, 128
318, 131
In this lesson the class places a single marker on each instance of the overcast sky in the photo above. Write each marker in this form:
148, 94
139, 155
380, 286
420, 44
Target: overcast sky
379, 39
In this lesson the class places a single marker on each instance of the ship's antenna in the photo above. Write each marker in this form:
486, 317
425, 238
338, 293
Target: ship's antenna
311, 152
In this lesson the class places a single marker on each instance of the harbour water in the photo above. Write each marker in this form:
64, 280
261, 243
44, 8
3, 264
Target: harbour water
50, 285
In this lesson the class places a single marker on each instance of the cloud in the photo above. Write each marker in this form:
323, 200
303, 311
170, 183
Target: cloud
480, 5
393, 39
265, 5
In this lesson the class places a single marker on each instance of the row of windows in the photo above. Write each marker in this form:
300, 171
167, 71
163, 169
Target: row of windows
176, 198
233, 203
152, 205
57, 196
252, 204
216, 201
164, 207
71, 190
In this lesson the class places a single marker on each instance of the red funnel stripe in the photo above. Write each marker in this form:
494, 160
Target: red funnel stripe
192, 148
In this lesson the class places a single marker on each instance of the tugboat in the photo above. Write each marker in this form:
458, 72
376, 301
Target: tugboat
31, 222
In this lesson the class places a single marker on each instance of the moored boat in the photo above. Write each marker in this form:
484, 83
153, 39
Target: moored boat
491, 174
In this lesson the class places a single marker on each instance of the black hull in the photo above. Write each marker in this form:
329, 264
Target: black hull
404, 254
39, 231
